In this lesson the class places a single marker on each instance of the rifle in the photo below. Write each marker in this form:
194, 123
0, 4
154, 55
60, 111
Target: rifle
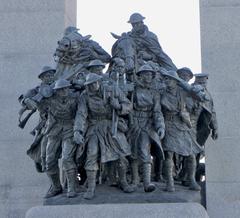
72, 72
114, 113
23, 122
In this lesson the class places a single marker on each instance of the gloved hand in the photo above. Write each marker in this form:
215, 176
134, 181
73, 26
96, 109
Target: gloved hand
78, 138
161, 133
115, 103
214, 134
31, 105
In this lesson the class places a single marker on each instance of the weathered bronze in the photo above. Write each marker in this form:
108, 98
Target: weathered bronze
138, 122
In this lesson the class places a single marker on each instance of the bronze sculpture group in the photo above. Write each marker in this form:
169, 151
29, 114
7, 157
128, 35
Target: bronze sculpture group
139, 121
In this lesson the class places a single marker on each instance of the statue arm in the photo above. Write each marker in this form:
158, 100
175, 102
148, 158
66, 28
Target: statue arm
157, 113
80, 123
213, 124
154, 46
27, 100
126, 105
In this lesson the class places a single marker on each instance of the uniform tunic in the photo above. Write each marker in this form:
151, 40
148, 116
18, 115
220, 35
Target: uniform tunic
59, 131
94, 121
178, 135
147, 119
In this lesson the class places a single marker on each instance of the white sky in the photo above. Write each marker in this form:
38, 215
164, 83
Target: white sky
175, 22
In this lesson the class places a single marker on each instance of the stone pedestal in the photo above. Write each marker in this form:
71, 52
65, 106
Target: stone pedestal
106, 194
29, 33
174, 210
220, 43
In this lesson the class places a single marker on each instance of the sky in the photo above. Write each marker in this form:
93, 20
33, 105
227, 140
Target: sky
175, 22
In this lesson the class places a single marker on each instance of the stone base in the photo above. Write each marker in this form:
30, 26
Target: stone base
106, 194
174, 210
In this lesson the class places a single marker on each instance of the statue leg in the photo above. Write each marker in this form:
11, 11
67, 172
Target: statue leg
55, 187
109, 173
91, 166
69, 166
43, 152
122, 171
91, 181
158, 169
148, 186
191, 166
135, 174
145, 156
52, 168
169, 171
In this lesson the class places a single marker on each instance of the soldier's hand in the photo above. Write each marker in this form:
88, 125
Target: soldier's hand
214, 134
31, 105
161, 133
115, 103
78, 138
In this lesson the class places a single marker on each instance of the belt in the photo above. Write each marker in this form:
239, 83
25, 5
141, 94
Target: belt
171, 116
100, 117
143, 114
58, 120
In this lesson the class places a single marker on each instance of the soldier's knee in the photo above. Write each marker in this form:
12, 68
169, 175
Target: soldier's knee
92, 150
68, 163
52, 167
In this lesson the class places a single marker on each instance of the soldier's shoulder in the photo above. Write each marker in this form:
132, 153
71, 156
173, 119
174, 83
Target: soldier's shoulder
151, 34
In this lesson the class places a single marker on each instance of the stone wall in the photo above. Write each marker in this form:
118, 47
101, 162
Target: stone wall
220, 44
28, 37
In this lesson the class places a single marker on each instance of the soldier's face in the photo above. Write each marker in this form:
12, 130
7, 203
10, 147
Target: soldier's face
47, 78
63, 92
202, 83
96, 69
120, 69
146, 77
138, 27
158, 76
114, 75
171, 83
94, 87
185, 76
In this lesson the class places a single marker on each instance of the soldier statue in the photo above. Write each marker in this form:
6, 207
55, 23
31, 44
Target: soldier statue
148, 47
178, 138
185, 73
204, 121
97, 125
31, 101
141, 114
96, 66
61, 113
147, 127
117, 73
180, 165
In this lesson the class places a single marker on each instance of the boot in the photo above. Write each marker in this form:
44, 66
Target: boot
55, 187
123, 180
135, 175
71, 183
169, 176
110, 169
91, 180
193, 185
157, 169
148, 186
